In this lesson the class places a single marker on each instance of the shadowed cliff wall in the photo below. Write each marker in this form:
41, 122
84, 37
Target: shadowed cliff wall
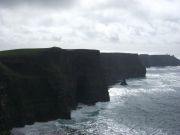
46, 84
91, 85
122, 65
159, 60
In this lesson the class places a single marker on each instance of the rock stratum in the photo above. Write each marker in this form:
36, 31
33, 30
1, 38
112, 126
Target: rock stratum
46, 84
159, 60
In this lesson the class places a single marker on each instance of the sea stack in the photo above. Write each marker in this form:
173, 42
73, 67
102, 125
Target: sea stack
123, 82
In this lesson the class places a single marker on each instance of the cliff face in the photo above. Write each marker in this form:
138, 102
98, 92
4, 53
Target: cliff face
159, 60
91, 85
46, 84
122, 65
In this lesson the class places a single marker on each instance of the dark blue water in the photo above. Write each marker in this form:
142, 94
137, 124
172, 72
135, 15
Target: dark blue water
148, 106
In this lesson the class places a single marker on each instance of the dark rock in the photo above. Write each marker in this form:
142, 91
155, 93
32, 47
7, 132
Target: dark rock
46, 84
91, 83
159, 60
123, 82
122, 65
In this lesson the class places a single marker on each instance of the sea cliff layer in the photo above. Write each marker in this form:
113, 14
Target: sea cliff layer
159, 60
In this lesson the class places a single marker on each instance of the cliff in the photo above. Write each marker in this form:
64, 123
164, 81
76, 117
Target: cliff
122, 65
46, 84
159, 60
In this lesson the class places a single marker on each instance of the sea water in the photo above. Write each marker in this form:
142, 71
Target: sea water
147, 106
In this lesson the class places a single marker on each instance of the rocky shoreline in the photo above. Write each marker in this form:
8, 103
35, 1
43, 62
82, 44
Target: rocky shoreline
38, 85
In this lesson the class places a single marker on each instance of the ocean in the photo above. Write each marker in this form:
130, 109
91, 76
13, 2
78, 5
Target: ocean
147, 106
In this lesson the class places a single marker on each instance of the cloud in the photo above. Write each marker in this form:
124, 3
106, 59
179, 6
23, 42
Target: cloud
38, 3
119, 25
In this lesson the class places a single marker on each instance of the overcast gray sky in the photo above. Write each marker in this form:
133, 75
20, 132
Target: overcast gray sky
141, 26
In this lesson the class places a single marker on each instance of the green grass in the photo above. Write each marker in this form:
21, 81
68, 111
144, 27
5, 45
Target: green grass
4, 133
18, 52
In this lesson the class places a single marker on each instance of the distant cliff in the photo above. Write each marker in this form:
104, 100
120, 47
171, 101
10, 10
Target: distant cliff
122, 65
46, 84
159, 60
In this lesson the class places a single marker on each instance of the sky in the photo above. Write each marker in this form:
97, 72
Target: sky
135, 26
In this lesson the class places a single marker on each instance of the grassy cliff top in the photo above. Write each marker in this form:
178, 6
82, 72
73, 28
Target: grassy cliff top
18, 52
36, 51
